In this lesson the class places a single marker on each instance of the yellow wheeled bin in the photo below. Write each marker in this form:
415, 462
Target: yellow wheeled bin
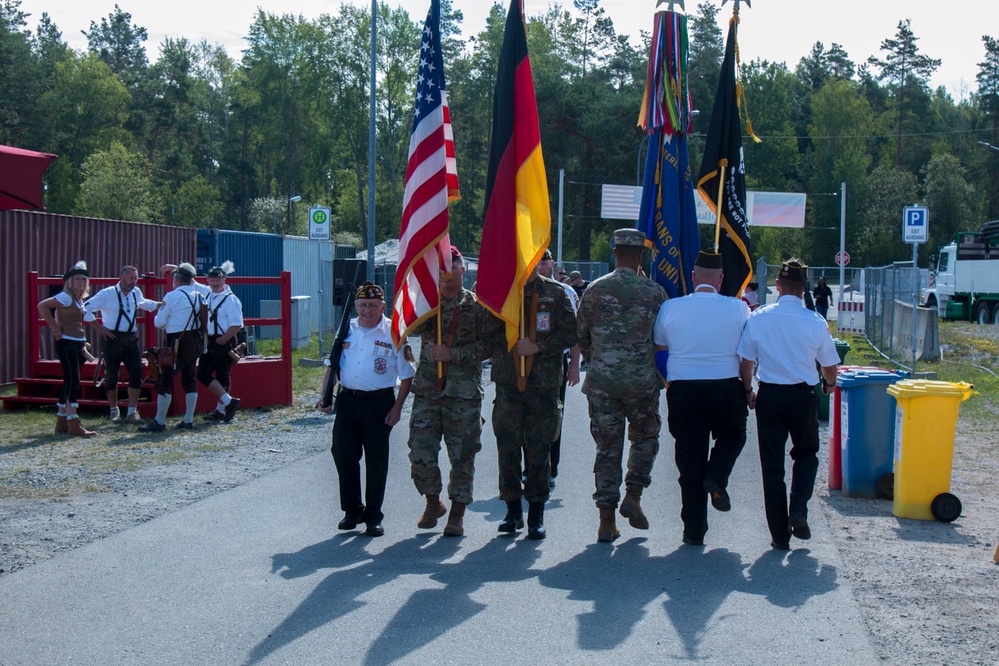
925, 422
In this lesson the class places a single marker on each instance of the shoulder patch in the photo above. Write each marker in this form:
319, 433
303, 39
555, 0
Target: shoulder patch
407, 352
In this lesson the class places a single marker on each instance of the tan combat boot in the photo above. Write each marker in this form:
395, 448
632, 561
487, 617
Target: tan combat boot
435, 509
631, 508
61, 428
608, 530
455, 520
76, 428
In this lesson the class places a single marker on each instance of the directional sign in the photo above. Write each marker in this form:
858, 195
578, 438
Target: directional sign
842, 258
319, 224
915, 224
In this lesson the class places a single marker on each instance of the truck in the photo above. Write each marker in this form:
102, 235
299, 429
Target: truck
965, 284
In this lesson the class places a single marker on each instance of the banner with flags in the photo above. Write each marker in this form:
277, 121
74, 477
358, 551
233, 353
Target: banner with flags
723, 165
668, 214
431, 183
517, 220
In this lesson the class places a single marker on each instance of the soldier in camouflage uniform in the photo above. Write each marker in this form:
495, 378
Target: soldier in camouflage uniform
454, 413
616, 318
528, 421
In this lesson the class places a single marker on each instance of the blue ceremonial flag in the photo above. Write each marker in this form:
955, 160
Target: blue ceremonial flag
668, 216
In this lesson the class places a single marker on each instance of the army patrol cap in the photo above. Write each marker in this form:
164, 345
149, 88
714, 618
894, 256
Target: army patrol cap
575, 275
709, 260
185, 269
370, 290
629, 238
793, 270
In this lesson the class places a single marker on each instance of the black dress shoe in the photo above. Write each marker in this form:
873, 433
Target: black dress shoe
230, 409
375, 530
213, 416
692, 541
184, 425
719, 498
799, 526
348, 522
152, 426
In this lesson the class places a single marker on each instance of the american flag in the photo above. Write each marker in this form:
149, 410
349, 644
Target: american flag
431, 183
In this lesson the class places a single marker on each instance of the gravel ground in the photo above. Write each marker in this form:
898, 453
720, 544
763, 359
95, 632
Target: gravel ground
929, 591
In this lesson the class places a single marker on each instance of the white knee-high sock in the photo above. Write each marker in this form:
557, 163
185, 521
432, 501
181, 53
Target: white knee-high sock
192, 401
163, 401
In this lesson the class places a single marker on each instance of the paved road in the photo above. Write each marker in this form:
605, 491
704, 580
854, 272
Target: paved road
259, 575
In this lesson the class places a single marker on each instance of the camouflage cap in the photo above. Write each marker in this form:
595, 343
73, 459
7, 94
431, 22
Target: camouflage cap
370, 290
629, 238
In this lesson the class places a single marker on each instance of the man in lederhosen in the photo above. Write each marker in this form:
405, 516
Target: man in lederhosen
180, 317
225, 319
119, 307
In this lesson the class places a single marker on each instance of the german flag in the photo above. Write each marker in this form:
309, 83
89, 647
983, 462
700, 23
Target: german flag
517, 219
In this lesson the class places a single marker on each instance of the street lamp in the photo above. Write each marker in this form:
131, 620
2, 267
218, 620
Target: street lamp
988, 145
288, 201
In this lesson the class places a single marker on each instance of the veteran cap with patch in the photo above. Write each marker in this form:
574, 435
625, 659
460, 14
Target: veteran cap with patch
793, 270
629, 238
370, 290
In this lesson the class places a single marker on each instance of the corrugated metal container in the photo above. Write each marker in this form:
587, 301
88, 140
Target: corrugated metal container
253, 254
50, 244
311, 266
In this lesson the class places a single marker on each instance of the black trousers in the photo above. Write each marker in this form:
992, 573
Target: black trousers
698, 410
123, 348
70, 354
556, 453
783, 410
215, 364
187, 358
360, 428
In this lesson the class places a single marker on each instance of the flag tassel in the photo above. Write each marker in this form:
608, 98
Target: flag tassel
722, 165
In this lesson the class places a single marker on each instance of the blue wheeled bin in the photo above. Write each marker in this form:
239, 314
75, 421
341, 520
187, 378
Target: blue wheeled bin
867, 422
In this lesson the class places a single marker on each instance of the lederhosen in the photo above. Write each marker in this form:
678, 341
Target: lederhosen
215, 363
187, 353
124, 347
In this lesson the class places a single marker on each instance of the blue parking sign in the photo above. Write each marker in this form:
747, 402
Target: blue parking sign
915, 224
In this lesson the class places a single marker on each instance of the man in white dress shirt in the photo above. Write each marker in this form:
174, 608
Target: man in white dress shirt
367, 408
787, 340
710, 388
119, 307
225, 319
180, 317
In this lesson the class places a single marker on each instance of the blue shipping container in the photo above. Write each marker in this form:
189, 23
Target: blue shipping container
253, 255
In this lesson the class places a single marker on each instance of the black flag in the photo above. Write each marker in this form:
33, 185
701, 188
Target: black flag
724, 143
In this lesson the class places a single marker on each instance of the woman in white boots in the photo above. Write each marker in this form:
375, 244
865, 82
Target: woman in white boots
67, 329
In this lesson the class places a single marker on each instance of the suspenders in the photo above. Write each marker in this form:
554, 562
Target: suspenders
121, 311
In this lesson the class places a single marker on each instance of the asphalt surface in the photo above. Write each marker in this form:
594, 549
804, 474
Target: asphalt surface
260, 575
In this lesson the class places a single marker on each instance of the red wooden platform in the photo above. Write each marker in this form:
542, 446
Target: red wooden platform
257, 381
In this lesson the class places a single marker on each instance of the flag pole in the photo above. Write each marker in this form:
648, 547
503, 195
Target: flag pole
440, 339
722, 165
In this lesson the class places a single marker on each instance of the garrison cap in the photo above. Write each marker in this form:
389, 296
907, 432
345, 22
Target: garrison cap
185, 269
629, 238
710, 260
370, 290
79, 268
547, 256
793, 270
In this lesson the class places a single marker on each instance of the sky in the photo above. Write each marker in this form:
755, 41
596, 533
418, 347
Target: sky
774, 30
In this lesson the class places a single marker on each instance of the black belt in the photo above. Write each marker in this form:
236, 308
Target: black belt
705, 381
119, 333
805, 385
367, 394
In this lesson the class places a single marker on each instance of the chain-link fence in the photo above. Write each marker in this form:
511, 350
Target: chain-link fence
766, 276
889, 292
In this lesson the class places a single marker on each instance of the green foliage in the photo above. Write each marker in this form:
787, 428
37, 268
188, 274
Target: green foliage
115, 186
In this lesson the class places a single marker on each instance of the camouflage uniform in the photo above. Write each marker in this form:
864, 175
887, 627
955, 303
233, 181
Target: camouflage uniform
529, 421
616, 316
456, 412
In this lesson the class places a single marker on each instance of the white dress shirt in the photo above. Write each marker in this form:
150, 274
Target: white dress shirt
788, 339
224, 312
370, 360
175, 315
702, 331
106, 303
